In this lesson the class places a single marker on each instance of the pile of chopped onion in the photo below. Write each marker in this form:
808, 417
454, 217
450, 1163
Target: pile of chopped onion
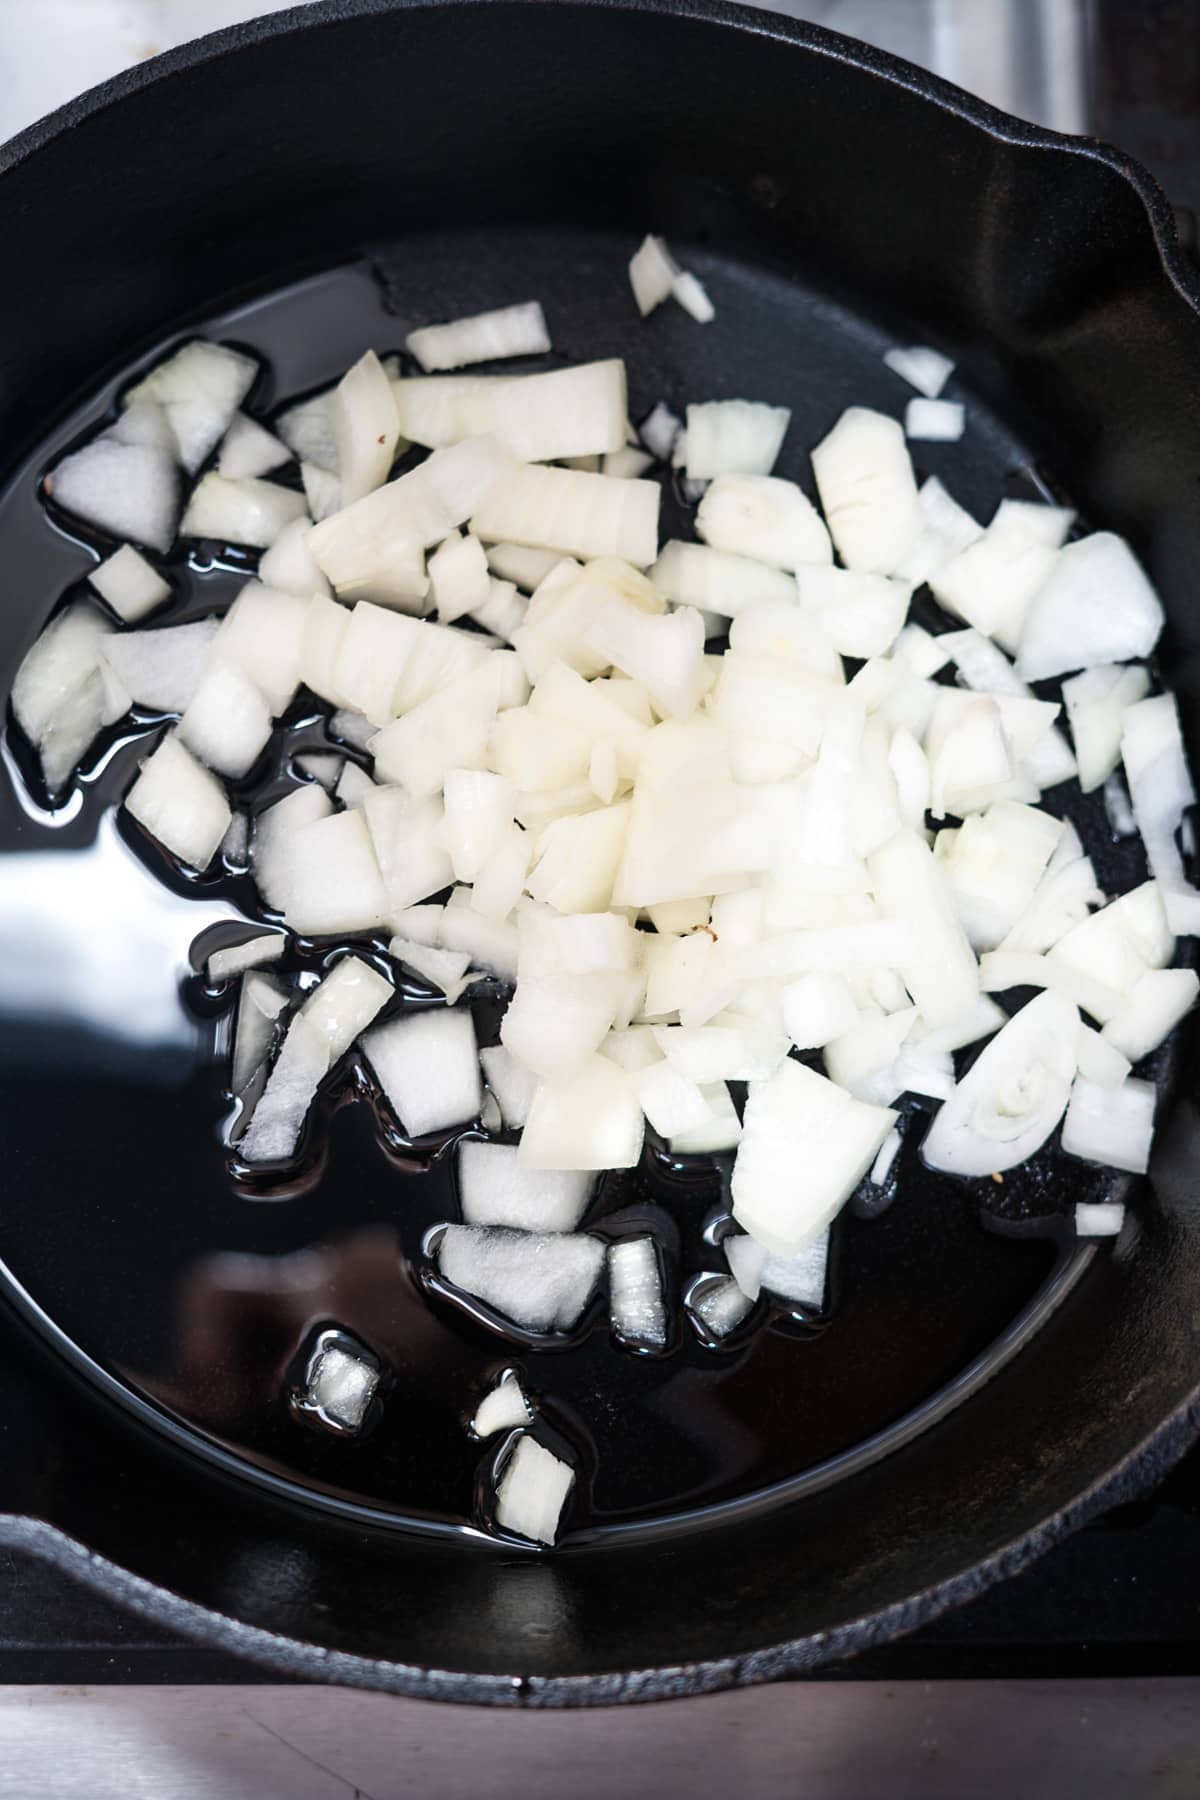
742, 903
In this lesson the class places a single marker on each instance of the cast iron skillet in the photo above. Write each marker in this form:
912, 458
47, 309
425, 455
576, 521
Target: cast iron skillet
1049, 268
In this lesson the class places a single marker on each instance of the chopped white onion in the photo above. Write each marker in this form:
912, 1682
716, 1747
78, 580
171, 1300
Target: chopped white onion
765, 519
861, 614
924, 368
734, 437
936, 421
333, 884
1121, 821
540, 1280
259, 1005
503, 1408
278, 1118
274, 830
564, 413
249, 450
591, 1121
495, 1188
1050, 524
881, 1168
1013, 1095
652, 274
362, 418
342, 1386
448, 970
1099, 1061
718, 582
458, 575
490, 943
58, 694
721, 1306
288, 564
799, 1280
1000, 970
180, 804
199, 389
1118, 944
991, 583
131, 585
947, 528
806, 1144
533, 1490
1095, 702
322, 491
635, 1292
690, 293
721, 1130
660, 430
1111, 1125
240, 512
483, 337
868, 491
262, 634
127, 490
307, 430
518, 563
1097, 606
227, 722
1150, 1011
573, 513
1102, 1218
512, 1084
264, 947
427, 1064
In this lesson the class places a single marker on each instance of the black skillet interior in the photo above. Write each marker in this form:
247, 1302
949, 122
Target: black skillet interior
832, 212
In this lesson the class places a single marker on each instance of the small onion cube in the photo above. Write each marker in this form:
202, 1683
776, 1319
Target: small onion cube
652, 274
342, 1386
180, 804
533, 1489
1097, 606
540, 1280
720, 1306
1013, 1095
635, 1292
334, 885
249, 450
502, 1408
227, 722
511, 1082
271, 840
659, 431
483, 337
263, 947
924, 368
591, 1121
278, 1118
936, 421
734, 437
288, 564
495, 1188
765, 519
259, 1005
573, 513
240, 512
1099, 1218
868, 491
362, 417
690, 293
799, 1279
722, 1130
199, 389
1111, 1125
341, 1007
1150, 1011
131, 585
127, 490
427, 1064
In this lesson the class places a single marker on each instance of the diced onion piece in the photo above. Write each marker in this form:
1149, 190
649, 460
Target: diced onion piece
533, 1490
1003, 969
881, 1168
991, 583
259, 1005
734, 437
373, 548
512, 1084
1050, 524
127, 490
690, 293
344, 1004
131, 585
564, 413
518, 563
664, 652
322, 637
1013, 1095
671, 1102
307, 430
1099, 1061
720, 1307
1150, 1011
626, 461
1097, 606
799, 1280
868, 491
503, 1408
555, 1024
1111, 1125
860, 614
144, 422
765, 519
58, 693
939, 969
333, 885
1095, 702
479, 810
816, 1009
578, 860
406, 835
652, 274
592, 1121
862, 1060
444, 969
262, 633
482, 337
458, 575
362, 417
421, 924
722, 1130
1118, 944
540, 1280
924, 368
274, 831
227, 722
947, 529
199, 389
984, 1018
716, 581
491, 943
1161, 789
573, 513
448, 730
997, 860
1061, 900
180, 804
427, 1064
495, 1188
278, 1118
635, 1292
935, 421
322, 491
341, 1387
806, 1144
240, 512
659, 431
263, 947
986, 669
1099, 1218
249, 450
747, 1260
288, 564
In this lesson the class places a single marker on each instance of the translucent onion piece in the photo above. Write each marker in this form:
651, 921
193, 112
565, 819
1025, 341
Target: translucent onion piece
1013, 1095
483, 337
